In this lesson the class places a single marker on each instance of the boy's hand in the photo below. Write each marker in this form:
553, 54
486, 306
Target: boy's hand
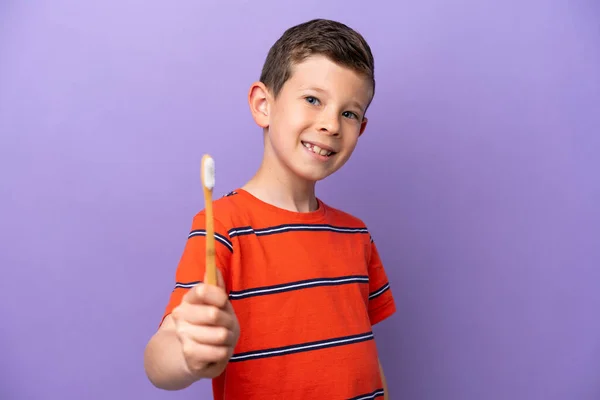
207, 328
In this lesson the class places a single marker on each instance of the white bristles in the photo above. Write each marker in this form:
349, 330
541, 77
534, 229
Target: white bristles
209, 173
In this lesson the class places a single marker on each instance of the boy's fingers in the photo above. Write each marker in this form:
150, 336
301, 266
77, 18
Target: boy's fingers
208, 334
207, 294
204, 353
204, 315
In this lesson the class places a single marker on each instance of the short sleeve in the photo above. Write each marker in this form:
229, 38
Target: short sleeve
381, 301
191, 267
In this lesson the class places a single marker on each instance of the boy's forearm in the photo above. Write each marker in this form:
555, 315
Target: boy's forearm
386, 395
164, 362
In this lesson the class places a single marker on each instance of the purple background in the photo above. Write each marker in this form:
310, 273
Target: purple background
478, 176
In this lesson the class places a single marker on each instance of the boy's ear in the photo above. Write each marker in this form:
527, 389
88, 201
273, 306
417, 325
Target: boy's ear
363, 125
258, 100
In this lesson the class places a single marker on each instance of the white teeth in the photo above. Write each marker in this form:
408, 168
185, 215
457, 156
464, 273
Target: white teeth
317, 149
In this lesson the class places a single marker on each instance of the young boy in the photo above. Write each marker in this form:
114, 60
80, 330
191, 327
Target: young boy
300, 282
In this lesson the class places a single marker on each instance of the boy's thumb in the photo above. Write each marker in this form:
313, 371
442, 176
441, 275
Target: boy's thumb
220, 281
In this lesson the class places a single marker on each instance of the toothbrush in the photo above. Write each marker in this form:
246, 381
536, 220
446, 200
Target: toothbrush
208, 183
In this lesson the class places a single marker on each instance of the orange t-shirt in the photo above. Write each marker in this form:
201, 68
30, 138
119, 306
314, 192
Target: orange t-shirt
306, 289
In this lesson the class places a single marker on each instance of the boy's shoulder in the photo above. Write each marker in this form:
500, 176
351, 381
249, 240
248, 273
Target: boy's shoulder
229, 209
339, 216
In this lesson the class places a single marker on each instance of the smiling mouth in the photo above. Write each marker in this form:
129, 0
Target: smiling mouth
317, 150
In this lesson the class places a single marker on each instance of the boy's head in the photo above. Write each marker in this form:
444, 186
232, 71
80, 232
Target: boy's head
315, 87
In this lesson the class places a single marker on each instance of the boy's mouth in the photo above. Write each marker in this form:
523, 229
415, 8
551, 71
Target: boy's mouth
318, 150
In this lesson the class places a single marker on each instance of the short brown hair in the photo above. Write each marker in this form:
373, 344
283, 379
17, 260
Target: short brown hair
334, 40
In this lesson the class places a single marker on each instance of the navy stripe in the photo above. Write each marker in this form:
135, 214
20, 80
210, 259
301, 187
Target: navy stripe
218, 237
369, 396
248, 230
379, 291
297, 285
241, 231
186, 285
298, 348
309, 283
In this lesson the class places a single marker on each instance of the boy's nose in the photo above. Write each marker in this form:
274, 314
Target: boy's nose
330, 125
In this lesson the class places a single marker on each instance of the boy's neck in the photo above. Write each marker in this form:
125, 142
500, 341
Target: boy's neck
276, 185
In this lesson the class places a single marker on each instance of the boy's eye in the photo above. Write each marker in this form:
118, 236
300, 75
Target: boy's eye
312, 100
349, 114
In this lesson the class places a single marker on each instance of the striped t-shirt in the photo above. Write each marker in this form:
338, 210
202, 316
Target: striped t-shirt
306, 289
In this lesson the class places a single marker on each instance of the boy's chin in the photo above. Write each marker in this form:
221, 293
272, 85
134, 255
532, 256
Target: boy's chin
311, 173
312, 176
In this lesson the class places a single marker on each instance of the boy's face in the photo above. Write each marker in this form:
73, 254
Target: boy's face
314, 123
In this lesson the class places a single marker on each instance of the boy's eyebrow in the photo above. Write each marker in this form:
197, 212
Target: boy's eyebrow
357, 105
314, 88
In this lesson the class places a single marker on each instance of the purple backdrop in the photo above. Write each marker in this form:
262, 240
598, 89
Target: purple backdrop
478, 176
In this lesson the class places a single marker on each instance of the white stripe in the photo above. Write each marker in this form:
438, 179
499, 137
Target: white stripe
377, 293
301, 347
310, 227
224, 241
185, 285
371, 396
238, 231
297, 285
217, 237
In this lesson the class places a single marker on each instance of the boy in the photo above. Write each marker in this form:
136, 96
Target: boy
300, 282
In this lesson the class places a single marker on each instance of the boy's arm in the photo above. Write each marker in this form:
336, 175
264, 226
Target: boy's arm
195, 341
386, 395
163, 359
167, 355
381, 301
